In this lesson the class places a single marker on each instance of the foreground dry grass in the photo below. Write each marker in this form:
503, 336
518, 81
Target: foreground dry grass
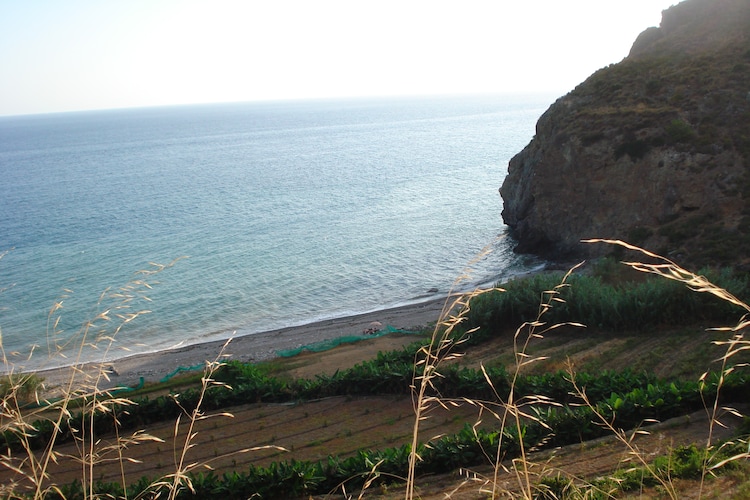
310, 431
584, 461
313, 430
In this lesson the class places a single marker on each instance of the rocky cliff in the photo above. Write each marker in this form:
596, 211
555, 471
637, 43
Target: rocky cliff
653, 150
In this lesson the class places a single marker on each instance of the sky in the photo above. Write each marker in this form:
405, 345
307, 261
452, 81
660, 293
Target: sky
73, 55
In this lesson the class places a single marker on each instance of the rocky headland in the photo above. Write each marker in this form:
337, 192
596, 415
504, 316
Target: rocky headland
653, 150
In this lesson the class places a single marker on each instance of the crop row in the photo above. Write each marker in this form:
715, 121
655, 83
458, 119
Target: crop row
389, 373
554, 426
588, 299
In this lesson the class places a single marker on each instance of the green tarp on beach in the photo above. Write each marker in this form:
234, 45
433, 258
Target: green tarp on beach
326, 345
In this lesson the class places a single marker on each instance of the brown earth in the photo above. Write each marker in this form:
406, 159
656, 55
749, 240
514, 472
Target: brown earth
313, 430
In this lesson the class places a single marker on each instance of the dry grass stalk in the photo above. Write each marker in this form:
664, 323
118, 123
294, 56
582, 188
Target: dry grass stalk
185, 441
626, 438
516, 411
665, 268
504, 410
520, 410
370, 477
81, 391
441, 348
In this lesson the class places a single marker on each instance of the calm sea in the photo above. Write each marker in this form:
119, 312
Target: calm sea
286, 212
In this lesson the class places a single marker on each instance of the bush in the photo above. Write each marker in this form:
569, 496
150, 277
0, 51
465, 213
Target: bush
23, 388
679, 131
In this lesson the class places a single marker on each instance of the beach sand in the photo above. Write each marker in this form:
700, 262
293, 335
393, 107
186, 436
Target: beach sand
152, 367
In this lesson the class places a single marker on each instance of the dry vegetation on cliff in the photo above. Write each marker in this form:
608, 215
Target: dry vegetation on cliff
653, 150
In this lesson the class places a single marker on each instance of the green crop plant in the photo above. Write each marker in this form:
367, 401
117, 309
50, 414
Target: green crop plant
522, 410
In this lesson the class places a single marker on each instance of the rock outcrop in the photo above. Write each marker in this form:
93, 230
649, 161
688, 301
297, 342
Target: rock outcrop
653, 150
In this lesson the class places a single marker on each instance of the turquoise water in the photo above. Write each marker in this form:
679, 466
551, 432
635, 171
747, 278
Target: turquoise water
287, 212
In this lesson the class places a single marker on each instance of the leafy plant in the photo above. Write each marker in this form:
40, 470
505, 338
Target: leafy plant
679, 131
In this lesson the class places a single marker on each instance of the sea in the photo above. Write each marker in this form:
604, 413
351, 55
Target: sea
136, 230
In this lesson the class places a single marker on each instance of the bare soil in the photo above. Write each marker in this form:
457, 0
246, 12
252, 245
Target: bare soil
261, 433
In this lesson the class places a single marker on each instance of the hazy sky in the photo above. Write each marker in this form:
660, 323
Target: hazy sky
62, 55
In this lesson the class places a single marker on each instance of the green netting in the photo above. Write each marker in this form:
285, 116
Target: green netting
326, 345
181, 369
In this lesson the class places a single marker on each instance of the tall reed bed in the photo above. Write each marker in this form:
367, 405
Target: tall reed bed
590, 299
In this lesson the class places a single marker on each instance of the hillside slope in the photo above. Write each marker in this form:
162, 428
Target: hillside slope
653, 150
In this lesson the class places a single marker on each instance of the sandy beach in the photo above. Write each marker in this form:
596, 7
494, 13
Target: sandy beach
152, 367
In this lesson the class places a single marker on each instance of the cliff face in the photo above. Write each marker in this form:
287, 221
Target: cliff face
653, 150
